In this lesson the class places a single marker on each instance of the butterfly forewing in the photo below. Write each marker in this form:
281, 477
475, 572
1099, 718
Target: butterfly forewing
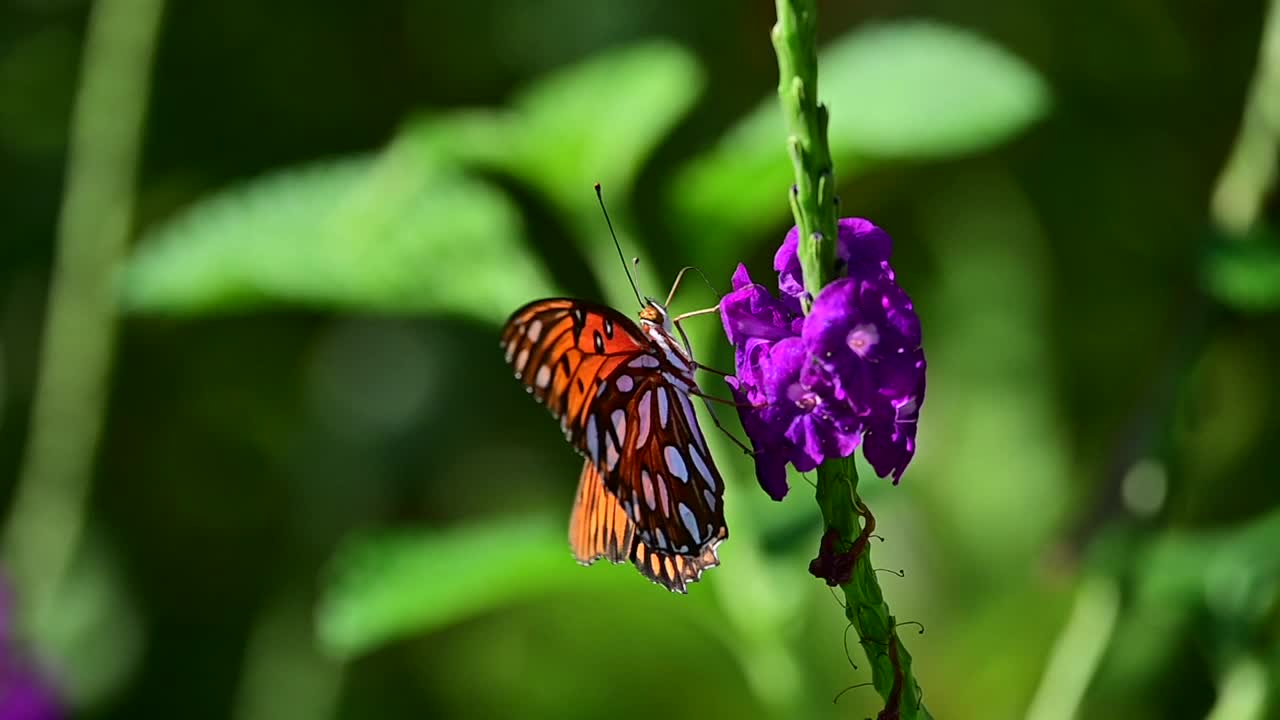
562, 349
649, 489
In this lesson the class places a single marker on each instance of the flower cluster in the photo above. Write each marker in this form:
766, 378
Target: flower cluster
813, 387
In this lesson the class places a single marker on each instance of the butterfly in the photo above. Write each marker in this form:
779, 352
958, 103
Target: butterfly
649, 491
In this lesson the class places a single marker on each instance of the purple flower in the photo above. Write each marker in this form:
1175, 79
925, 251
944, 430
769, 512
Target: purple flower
862, 249
865, 333
790, 413
812, 388
24, 694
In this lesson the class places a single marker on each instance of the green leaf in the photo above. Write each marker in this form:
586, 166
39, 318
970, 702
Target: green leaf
1244, 273
596, 121
925, 90
366, 233
1231, 571
391, 585
902, 91
599, 121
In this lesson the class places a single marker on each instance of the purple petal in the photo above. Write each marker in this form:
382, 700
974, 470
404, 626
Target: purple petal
751, 312
787, 263
807, 440
862, 242
835, 313
770, 457
24, 695
862, 248
780, 370
890, 442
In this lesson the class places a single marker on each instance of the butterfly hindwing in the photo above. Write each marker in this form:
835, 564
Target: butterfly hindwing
599, 528
673, 572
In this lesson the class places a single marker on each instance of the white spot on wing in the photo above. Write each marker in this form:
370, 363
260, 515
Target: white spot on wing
690, 522
702, 468
677, 381
647, 482
675, 463
521, 359
644, 361
624, 383
662, 408
544, 376
610, 453
711, 499
619, 418
593, 440
646, 401
535, 330
663, 499
692, 419
661, 538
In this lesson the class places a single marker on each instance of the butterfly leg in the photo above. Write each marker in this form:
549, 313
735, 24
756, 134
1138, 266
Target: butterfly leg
685, 339
716, 420
710, 369
688, 347
676, 322
722, 401
694, 313
696, 364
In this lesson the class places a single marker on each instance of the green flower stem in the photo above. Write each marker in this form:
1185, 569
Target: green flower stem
47, 516
814, 205
813, 195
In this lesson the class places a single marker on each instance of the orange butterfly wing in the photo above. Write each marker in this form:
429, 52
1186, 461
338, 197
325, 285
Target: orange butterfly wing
599, 528
563, 350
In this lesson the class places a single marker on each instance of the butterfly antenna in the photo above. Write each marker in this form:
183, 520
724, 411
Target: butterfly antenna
616, 244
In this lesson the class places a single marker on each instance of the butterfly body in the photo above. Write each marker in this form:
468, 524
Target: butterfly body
649, 491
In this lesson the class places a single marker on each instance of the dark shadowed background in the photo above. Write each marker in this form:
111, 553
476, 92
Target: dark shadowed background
320, 494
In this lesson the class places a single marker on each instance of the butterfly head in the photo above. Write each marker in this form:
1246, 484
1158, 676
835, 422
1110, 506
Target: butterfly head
654, 314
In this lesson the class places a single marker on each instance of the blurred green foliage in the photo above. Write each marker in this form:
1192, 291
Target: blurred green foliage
387, 587
910, 91
365, 234
321, 495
